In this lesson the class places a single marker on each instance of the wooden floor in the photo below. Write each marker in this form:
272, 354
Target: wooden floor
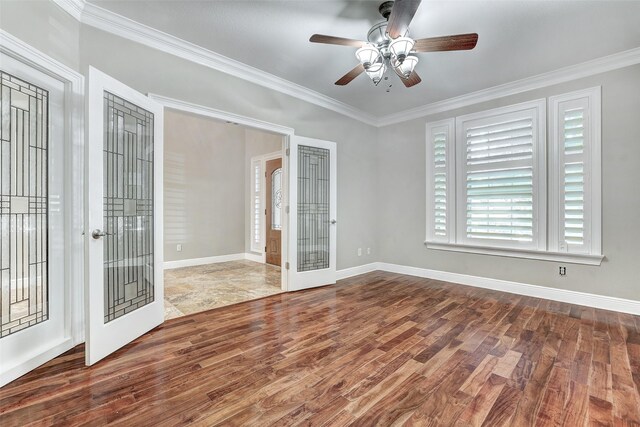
376, 349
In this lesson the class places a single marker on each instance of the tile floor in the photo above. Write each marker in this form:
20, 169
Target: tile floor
193, 289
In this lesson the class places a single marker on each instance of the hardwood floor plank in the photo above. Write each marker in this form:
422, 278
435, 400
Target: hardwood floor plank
376, 349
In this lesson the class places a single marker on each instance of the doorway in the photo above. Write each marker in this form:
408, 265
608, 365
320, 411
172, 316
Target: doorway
217, 201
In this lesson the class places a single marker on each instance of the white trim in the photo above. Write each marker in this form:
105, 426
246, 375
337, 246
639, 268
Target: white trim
189, 107
113, 23
450, 170
72, 7
603, 302
592, 158
31, 364
251, 256
356, 271
572, 297
518, 253
74, 179
169, 265
573, 72
286, 133
95, 16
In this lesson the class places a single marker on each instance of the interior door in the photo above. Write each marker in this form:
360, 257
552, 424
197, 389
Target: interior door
33, 206
124, 231
313, 208
273, 211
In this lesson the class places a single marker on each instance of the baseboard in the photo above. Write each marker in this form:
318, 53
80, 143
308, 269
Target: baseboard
355, 271
31, 364
580, 298
168, 265
254, 257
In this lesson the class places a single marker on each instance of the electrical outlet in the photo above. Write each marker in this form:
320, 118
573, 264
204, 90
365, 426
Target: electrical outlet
179, 247
563, 271
359, 251
368, 251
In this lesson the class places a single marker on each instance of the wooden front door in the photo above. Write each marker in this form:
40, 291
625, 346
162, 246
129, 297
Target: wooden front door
273, 211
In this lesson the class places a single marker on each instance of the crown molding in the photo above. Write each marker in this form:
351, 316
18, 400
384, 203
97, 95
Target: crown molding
98, 17
72, 7
572, 72
108, 21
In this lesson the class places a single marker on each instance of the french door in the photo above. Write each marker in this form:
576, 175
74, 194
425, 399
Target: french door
124, 229
312, 213
34, 294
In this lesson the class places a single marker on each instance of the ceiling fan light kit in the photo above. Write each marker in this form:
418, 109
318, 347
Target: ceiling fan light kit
406, 67
389, 45
369, 56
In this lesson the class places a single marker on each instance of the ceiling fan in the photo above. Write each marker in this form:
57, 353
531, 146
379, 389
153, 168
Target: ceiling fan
389, 46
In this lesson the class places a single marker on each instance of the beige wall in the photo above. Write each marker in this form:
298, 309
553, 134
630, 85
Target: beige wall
204, 200
402, 217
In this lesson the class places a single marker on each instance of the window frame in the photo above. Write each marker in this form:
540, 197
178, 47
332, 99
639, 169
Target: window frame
448, 126
546, 184
592, 158
536, 110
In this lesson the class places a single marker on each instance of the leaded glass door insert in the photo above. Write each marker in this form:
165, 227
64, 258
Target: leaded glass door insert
313, 208
128, 207
36, 248
125, 292
24, 301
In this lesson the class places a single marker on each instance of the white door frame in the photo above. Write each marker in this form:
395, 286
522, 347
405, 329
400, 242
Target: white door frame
74, 191
285, 132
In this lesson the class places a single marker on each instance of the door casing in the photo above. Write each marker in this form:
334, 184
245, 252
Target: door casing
74, 145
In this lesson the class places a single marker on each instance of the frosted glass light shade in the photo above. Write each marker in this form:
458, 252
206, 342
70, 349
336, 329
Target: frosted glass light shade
401, 47
368, 55
405, 68
376, 73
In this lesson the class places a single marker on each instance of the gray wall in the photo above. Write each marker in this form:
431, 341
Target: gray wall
43, 25
381, 172
204, 200
401, 184
256, 143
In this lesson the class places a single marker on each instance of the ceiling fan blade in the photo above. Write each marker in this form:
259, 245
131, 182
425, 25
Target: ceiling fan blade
413, 79
438, 44
359, 69
401, 16
321, 38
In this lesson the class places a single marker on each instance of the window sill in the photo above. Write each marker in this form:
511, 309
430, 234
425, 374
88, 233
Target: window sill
519, 253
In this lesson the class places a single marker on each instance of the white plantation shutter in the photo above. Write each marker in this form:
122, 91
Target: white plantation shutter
500, 165
256, 206
575, 144
440, 181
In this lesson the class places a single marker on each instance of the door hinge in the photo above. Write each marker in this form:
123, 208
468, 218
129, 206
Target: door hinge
265, 211
265, 249
286, 209
286, 265
287, 151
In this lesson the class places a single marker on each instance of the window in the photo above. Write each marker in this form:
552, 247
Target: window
490, 190
256, 209
575, 175
440, 186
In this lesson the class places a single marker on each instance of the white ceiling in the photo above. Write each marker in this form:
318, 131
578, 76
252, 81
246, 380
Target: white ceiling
518, 39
